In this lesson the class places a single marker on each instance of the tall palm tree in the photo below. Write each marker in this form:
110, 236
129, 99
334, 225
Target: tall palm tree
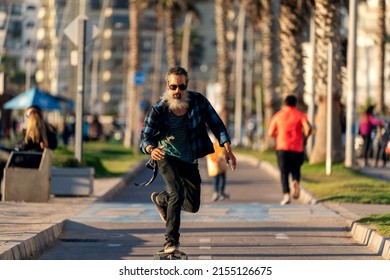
223, 60
327, 21
293, 22
381, 53
136, 7
269, 31
169, 32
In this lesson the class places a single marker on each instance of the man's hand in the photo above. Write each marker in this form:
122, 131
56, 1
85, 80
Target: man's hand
158, 153
231, 159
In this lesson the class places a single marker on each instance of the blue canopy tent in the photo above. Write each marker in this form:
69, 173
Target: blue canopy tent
34, 96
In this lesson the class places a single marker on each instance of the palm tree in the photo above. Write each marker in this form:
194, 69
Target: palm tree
381, 53
270, 77
170, 8
136, 7
223, 60
293, 22
327, 20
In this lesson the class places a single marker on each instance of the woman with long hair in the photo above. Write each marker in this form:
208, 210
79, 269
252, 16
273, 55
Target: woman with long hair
35, 138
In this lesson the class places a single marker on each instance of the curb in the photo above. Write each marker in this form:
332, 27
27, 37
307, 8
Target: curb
362, 234
367, 236
33, 244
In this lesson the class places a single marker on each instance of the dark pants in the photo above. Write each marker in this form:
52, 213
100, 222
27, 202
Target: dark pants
381, 153
183, 182
289, 162
219, 183
366, 146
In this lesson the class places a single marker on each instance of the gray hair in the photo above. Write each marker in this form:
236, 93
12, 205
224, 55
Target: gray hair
178, 71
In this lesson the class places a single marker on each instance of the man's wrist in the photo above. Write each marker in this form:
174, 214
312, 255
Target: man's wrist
150, 149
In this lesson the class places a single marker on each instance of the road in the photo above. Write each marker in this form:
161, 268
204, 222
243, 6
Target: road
251, 225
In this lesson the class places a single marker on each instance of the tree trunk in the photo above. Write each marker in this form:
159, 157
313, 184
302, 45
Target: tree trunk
327, 19
170, 34
133, 64
270, 61
381, 54
291, 38
223, 64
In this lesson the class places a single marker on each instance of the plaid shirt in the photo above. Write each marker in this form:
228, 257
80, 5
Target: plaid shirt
202, 116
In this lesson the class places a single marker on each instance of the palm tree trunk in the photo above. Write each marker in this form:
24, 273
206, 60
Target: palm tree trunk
381, 53
170, 34
133, 64
327, 20
223, 64
270, 61
291, 38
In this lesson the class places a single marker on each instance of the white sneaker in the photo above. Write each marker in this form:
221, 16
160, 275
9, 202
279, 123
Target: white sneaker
215, 196
286, 199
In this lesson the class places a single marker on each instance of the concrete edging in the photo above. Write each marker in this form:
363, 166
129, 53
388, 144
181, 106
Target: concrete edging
32, 244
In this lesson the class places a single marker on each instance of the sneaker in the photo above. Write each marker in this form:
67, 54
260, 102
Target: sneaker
295, 189
286, 199
171, 246
214, 197
226, 196
161, 210
223, 197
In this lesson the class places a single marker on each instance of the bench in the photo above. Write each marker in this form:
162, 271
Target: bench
27, 177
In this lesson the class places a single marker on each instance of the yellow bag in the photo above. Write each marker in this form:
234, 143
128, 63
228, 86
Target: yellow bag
215, 168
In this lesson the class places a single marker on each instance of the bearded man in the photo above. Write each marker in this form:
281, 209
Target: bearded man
175, 135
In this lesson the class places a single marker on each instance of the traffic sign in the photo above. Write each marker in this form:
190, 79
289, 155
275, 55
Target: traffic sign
72, 30
139, 78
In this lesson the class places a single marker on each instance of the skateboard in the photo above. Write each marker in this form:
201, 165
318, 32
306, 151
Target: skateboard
175, 255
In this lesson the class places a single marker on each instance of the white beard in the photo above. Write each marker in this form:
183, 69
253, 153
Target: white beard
174, 103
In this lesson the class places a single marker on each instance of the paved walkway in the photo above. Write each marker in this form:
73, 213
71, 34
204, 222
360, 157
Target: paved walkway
26, 228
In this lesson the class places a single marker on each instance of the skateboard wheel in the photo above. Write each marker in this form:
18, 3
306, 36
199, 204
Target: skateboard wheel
157, 257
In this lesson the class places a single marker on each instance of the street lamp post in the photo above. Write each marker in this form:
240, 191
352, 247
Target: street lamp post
80, 84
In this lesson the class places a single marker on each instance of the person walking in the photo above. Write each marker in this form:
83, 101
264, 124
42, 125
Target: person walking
366, 126
175, 135
290, 128
216, 168
383, 138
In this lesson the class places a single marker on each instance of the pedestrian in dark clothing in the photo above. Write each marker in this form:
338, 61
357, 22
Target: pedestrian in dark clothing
175, 134
383, 139
366, 126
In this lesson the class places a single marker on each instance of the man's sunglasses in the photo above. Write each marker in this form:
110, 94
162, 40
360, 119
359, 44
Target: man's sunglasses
174, 87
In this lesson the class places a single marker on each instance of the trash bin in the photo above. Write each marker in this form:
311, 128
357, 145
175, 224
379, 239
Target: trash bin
27, 177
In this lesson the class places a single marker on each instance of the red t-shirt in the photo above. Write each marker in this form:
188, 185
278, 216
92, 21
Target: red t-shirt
287, 127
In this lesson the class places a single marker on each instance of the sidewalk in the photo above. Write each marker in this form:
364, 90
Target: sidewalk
27, 228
